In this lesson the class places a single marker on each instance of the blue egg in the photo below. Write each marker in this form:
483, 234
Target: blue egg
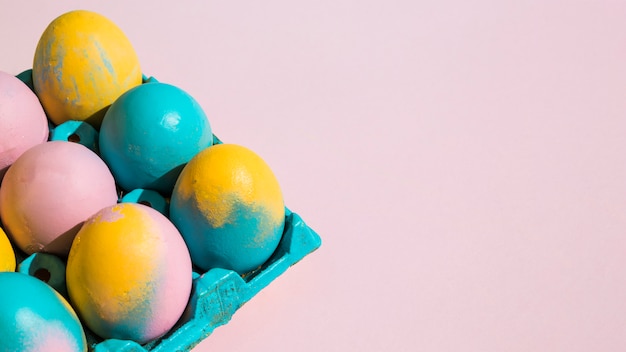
150, 133
34, 317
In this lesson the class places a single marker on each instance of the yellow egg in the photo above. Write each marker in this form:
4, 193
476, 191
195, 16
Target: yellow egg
83, 62
7, 256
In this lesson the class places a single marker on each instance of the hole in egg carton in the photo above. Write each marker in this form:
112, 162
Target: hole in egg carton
42, 274
74, 138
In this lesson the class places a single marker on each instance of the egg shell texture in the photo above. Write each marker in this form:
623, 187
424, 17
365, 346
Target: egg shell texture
82, 63
229, 208
35, 318
23, 123
150, 133
129, 273
48, 193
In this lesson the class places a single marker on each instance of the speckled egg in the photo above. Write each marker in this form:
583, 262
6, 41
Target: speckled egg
129, 273
229, 208
48, 193
23, 122
82, 63
35, 318
150, 133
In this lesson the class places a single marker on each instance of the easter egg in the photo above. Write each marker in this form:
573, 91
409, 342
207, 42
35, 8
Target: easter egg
229, 208
82, 63
49, 191
150, 133
129, 273
7, 256
35, 318
23, 122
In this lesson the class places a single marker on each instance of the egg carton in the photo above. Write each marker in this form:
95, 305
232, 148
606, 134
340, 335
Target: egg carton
215, 296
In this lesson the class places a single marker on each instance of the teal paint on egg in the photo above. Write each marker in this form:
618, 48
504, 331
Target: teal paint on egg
243, 243
135, 322
228, 206
150, 133
34, 317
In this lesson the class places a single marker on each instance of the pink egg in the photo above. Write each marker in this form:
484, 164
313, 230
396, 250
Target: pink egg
23, 122
49, 191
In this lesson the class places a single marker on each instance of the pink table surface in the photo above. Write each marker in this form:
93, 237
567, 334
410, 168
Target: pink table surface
463, 161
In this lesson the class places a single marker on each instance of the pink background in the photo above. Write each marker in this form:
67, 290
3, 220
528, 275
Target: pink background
463, 161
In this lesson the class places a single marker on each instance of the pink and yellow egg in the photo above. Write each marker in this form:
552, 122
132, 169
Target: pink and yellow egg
129, 273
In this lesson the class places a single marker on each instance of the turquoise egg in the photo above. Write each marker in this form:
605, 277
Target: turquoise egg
150, 133
34, 317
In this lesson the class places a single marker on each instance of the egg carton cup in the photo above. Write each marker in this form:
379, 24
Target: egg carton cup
216, 294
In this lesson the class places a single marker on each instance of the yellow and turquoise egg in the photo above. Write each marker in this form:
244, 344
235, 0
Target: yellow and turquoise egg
83, 62
35, 318
228, 206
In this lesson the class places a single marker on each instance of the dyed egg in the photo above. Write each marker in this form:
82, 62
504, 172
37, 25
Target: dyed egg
23, 123
35, 318
150, 133
228, 206
129, 273
83, 62
48, 193
7, 256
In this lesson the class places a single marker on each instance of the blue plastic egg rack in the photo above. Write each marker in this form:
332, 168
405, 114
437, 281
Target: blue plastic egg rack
216, 294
